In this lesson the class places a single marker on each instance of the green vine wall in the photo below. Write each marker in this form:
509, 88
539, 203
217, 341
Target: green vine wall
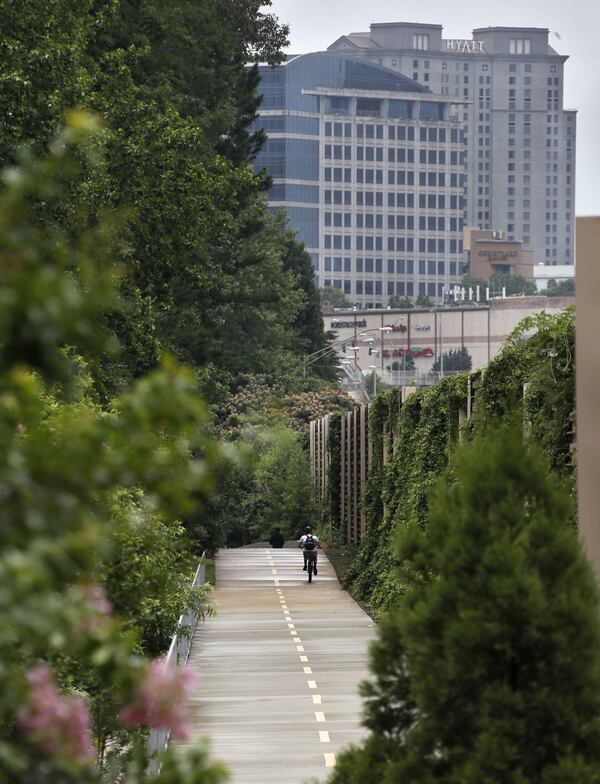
532, 378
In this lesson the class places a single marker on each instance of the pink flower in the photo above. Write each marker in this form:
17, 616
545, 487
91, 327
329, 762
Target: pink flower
96, 599
59, 725
96, 606
160, 700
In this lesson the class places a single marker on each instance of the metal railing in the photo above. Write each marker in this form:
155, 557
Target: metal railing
178, 654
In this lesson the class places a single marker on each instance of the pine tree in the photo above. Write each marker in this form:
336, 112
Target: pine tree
489, 672
455, 359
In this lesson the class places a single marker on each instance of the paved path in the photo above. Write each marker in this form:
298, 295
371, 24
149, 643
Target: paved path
278, 668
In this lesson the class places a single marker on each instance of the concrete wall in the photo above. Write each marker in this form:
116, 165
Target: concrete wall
588, 385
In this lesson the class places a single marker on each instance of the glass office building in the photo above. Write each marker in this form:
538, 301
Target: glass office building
368, 164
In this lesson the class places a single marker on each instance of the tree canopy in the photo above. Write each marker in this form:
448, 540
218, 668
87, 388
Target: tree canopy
489, 669
513, 284
207, 273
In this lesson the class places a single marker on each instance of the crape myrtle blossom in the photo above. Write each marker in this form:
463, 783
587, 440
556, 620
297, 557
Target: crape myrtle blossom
159, 700
97, 608
96, 599
57, 724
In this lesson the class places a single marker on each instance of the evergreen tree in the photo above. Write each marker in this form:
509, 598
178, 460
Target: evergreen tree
489, 672
400, 302
334, 297
455, 359
562, 288
513, 284
406, 363
422, 301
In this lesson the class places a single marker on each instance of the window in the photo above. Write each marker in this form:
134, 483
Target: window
520, 45
420, 41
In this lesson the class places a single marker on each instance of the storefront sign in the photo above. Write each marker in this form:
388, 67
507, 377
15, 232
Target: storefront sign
349, 324
411, 352
397, 327
495, 255
423, 327
462, 45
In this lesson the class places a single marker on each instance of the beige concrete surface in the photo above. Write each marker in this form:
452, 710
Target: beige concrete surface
588, 386
278, 668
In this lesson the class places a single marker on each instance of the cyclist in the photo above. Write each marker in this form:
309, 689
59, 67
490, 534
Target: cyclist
277, 539
309, 543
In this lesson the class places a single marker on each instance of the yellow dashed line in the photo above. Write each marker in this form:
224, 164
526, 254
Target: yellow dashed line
319, 716
300, 648
324, 736
307, 670
316, 699
312, 684
329, 760
304, 658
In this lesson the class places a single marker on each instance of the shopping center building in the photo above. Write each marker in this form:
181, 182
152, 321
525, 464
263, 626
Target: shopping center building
382, 340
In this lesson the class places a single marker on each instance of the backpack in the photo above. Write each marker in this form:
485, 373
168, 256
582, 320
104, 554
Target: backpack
310, 542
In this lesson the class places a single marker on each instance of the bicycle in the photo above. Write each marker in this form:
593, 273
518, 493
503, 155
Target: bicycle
311, 564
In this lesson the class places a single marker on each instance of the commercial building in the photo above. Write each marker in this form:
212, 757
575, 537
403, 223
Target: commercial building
488, 251
520, 162
384, 338
588, 239
368, 164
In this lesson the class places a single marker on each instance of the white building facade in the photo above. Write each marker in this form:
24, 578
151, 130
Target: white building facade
520, 160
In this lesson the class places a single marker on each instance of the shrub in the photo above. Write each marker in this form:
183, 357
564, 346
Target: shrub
489, 671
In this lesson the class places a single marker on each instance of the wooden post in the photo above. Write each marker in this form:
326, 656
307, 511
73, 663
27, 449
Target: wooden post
313, 463
355, 474
363, 469
343, 477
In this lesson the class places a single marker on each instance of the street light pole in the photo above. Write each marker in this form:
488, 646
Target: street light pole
383, 330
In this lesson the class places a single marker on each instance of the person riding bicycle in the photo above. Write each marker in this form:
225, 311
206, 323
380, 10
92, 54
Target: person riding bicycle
309, 543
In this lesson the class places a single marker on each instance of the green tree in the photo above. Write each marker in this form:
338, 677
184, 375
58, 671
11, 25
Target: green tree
423, 301
43, 69
514, 284
206, 269
564, 288
283, 489
334, 297
455, 359
406, 363
400, 302
65, 466
490, 668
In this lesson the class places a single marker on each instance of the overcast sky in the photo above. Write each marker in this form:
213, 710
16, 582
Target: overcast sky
317, 23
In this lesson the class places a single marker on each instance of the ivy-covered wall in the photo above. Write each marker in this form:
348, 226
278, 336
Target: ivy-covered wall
531, 380
426, 428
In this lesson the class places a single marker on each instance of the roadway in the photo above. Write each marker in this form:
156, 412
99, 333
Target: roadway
278, 668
